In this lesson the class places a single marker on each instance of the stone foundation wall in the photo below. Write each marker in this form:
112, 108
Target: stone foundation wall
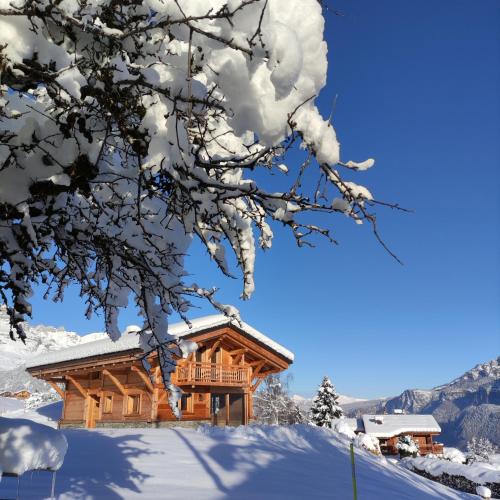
193, 424
70, 425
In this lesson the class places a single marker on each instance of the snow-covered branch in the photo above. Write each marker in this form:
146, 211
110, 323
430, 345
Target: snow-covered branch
128, 129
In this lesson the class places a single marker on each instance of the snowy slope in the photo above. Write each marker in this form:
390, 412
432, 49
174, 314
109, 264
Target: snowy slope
10, 405
245, 463
40, 339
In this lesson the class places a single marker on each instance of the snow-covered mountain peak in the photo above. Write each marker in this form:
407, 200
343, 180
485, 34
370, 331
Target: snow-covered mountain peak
482, 373
40, 339
305, 403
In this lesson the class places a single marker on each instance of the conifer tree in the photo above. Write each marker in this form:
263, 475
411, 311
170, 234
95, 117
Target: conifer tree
479, 450
325, 407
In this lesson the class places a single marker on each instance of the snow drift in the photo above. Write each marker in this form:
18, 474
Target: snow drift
26, 445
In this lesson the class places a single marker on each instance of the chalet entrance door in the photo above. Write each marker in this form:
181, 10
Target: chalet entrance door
93, 404
227, 409
236, 409
218, 409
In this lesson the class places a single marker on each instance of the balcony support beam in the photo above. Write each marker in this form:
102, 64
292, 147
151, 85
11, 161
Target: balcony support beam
144, 377
77, 384
56, 388
257, 368
115, 381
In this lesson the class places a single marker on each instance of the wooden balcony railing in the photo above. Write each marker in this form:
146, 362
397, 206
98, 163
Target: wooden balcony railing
213, 373
424, 449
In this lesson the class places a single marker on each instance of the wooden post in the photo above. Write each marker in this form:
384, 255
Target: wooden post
246, 407
227, 409
154, 405
250, 405
353, 470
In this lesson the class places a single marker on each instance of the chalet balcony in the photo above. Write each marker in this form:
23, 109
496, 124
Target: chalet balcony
424, 449
213, 374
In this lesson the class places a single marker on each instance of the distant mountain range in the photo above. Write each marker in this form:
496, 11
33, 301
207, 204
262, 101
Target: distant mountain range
467, 406
305, 403
40, 339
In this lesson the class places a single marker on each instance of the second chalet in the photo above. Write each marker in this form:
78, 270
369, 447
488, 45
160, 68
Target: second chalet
388, 428
105, 383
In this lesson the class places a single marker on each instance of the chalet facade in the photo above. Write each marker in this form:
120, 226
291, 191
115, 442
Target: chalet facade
388, 428
105, 383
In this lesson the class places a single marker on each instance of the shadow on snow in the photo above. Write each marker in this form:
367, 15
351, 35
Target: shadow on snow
95, 471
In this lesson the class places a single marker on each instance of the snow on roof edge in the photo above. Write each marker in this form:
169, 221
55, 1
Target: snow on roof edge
129, 341
393, 425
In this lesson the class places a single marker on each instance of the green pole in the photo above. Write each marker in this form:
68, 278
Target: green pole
353, 469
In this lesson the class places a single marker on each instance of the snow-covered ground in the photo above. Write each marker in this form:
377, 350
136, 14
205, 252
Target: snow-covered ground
295, 462
10, 404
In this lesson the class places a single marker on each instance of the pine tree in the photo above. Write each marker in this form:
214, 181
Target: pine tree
325, 407
479, 450
271, 402
296, 415
407, 446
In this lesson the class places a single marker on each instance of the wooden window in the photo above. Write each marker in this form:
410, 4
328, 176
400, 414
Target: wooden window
187, 403
200, 354
216, 356
134, 404
107, 406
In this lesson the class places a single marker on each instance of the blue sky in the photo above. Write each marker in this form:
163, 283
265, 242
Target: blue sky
418, 89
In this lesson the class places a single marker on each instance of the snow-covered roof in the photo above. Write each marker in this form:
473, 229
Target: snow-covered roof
386, 426
130, 341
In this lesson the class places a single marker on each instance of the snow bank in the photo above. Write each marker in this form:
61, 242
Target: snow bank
454, 455
478, 472
27, 445
483, 492
246, 463
10, 404
286, 436
370, 443
344, 427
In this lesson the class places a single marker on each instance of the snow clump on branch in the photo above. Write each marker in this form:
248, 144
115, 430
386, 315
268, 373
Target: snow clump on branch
127, 129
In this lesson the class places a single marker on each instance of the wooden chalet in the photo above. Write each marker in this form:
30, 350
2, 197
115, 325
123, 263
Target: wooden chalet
388, 428
104, 383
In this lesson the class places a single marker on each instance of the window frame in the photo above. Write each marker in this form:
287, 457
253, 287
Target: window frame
129, 412
189, 402
107, 397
